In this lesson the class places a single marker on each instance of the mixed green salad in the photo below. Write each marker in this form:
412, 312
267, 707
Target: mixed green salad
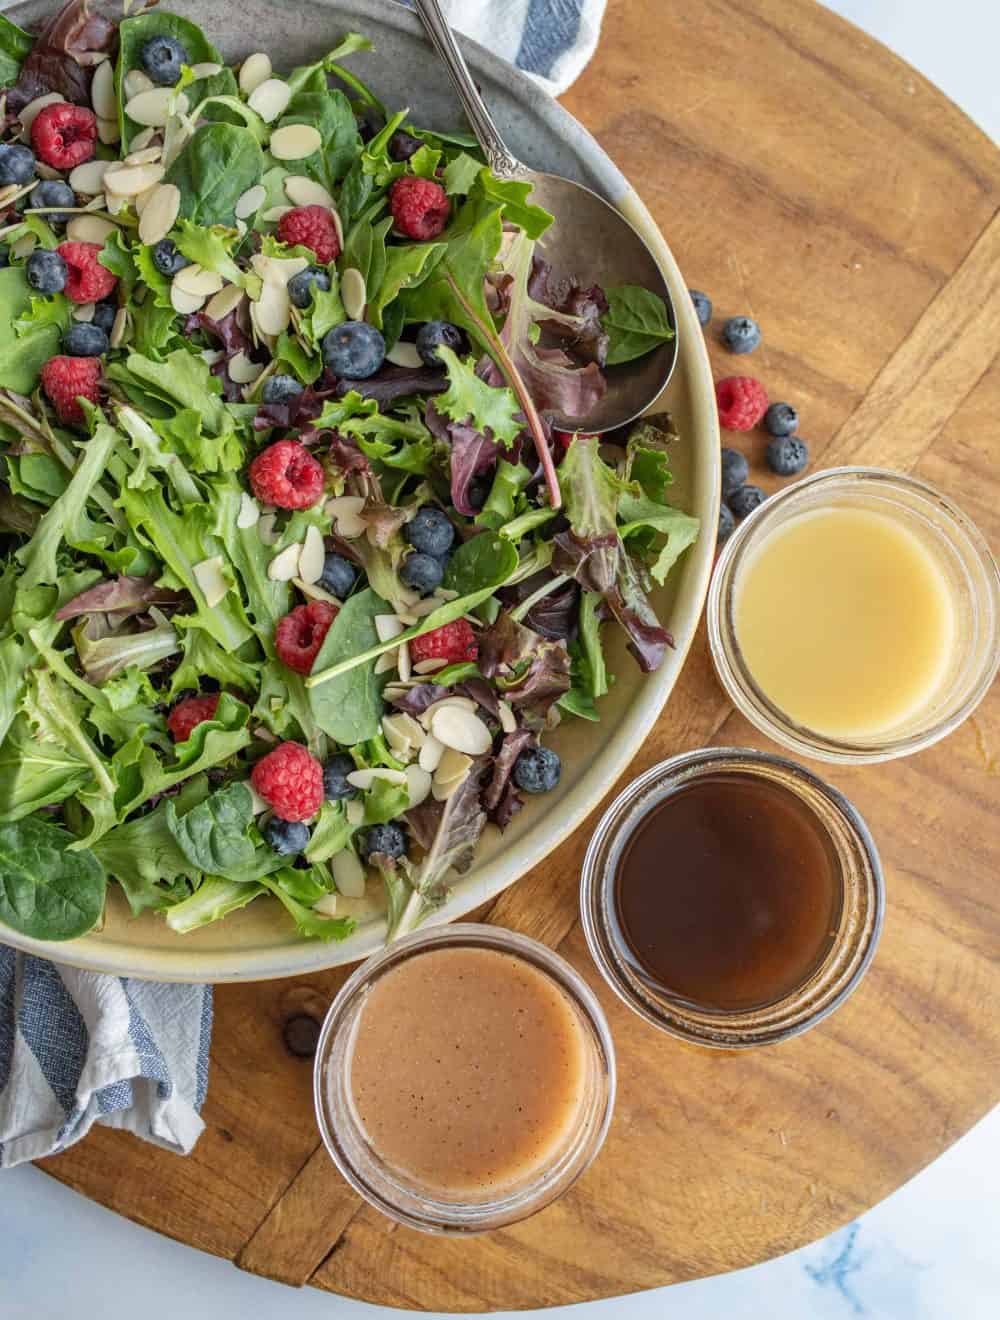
296, 576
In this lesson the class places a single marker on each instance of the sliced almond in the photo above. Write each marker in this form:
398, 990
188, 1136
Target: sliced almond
131, 180
249, 514
313, 556
464, 703
153, 108
442, 792
431, 753
30, 112
194, 279
429, 666
274, 213
423, 607
265, 528
243, 370
364, 779
224, 302
348, 873
248, 203
109, 131
134, 82
121, 328
144, 155
327, 904
258, 804
418, 784
89, 229
46, 171
143, 139
83, 311
255, 70
183, 302
462, 730
102, 91
409, 728
403, 663
273, 309
212, 355
314, 592
211, 579
302, 191
387, 626
387, 661
345, 511
453, 765
295, 142
402, 353
339, 226
508, 720
396, 741
270, 98
159, 213
285, 565
354, 293
207, 69
89, 177
355, 812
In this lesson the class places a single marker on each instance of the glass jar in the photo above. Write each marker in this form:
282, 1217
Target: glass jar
401, 1196
973, 583
854, 938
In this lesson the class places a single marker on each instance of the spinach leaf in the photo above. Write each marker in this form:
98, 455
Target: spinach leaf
22, 357
354, 192
133, 33
636, 321
405, 267
213, 835
14, 46
330, 113
214, 170
349, 708
47, 892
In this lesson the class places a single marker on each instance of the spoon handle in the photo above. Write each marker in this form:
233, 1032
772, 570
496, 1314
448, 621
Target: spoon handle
500, 159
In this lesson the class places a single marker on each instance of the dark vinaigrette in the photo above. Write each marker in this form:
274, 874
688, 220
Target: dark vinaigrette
728, 893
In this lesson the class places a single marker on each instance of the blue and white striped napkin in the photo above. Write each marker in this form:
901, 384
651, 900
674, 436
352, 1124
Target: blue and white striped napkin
78, 1048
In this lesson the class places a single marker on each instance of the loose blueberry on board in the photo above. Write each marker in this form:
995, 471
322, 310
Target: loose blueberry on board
735, 470
17, 164
301, 287
46, 271
167, 259
335, 772
84, 339
280, 389
745, 500
386, 839
430, 532
702, 306
286, 837
162, 58
781, 419
435, 333
104, 316
727, 524
338, 577
537, 770
741, 334
787, 455
421, 573
49, 193
355, 350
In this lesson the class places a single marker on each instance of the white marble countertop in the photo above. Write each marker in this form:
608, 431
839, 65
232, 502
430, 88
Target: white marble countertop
929, 1252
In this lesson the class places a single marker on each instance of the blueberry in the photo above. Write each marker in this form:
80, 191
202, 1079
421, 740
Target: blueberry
430, 532
403, 145
286, 837
781, 419
727, 524
355, 350
335, 772
745, 500
735, 470
84, 339
421, 573
46, 271
435, 333
537, 770
386, 839
478, 490
104, 316
741, 334
787, 455
338, 577
300, 287
162, 58
167, 259
702, 305
49, 193
280, 389
17, 164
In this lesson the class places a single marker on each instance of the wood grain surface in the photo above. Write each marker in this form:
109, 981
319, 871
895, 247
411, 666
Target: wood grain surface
804, 175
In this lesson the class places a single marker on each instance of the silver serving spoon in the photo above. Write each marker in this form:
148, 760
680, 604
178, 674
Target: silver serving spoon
589, 239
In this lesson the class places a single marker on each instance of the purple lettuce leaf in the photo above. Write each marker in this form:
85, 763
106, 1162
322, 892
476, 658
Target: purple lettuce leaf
627, 600
555, 616
471, 453
503, 767
121, 595
390, 383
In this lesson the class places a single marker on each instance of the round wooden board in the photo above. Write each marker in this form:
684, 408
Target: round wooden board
802, 174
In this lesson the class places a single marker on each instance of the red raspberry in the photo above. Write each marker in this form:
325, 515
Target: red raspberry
189, 713
290, 781
455, 641
87, 280
742, 402
419, 206
286, 475
64, 135
311, 227
299, 635
65, 379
